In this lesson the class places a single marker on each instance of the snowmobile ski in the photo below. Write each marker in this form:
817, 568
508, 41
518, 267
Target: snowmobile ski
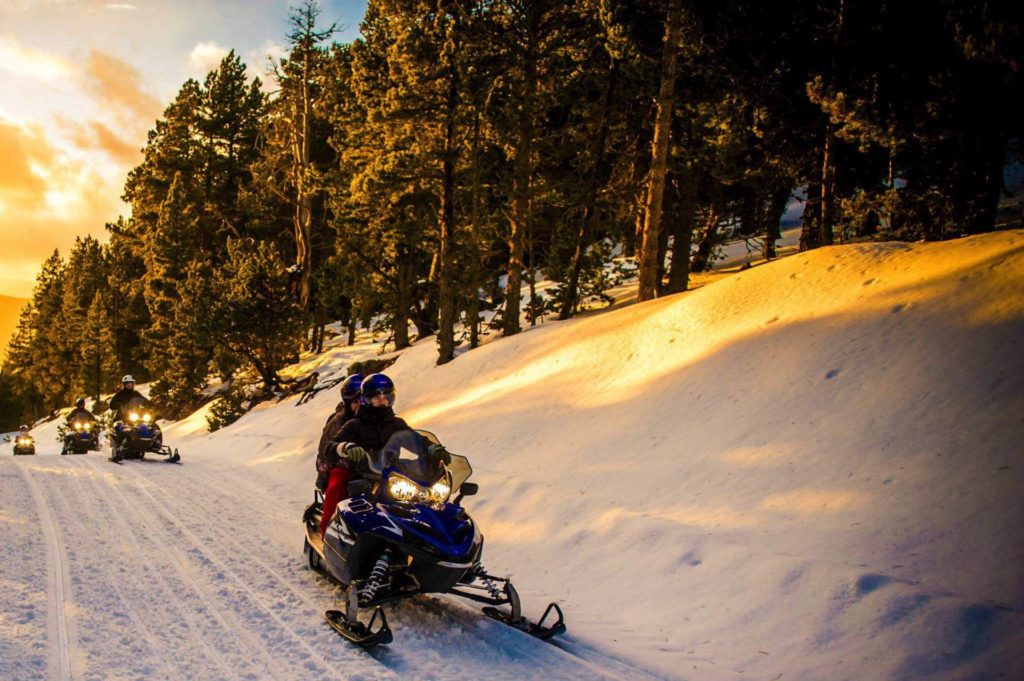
358, 633
536, 629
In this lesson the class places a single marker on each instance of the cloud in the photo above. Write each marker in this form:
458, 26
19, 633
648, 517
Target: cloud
206, 57
24, 150
97, 135
116, 84
47, 198
120, 6
31, 63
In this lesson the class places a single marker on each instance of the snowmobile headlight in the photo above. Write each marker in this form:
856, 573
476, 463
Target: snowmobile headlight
133, 417
440, 491
78, 425
146, 418
24, 440
402, 488
87, 425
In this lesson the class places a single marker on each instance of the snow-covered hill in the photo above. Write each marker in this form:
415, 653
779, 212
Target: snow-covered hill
811, 469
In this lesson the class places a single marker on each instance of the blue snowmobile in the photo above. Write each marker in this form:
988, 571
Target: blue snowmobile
402, 532
139, 434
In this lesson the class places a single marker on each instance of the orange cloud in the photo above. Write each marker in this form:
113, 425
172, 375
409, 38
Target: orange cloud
116, 84
47, 198
97, 135
20, 149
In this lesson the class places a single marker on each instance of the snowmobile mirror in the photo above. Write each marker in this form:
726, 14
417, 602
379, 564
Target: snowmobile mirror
468, 489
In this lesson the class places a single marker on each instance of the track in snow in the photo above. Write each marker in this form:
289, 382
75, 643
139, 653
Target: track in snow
61, 628
187, 572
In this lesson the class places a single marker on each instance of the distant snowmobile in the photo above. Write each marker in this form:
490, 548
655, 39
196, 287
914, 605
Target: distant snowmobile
400, 534
24, 444
139, 435
82, 436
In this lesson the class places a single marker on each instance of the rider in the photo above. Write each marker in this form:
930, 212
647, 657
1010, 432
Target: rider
345, 410
119, 404
332, 471
122, 397
372, 427
79, 413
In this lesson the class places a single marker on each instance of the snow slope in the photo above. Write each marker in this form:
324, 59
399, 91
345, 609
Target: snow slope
808, 470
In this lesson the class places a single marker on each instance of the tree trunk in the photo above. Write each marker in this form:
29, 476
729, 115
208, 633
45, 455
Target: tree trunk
649, 266
709, 234
826, 224
522, 176
682, 233
405, 281
773, 218
445, 283
810, 234
571, 300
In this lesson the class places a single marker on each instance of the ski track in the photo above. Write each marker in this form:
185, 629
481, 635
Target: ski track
61, 630
236, 646
167, 610
458, 636
281, 628
24, 607
166, 572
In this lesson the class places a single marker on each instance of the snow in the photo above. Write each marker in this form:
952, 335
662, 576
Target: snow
808, 469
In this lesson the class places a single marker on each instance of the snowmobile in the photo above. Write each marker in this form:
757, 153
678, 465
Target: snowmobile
82, 436
139, 435
24, 445
401, 533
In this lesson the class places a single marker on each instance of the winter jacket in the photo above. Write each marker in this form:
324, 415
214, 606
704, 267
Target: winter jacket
370, 429
121, 399
327, 457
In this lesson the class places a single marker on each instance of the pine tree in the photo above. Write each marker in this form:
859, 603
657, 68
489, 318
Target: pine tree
98, 367
245, 308
296, 154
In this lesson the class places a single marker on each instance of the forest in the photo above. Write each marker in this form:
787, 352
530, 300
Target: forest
459, 151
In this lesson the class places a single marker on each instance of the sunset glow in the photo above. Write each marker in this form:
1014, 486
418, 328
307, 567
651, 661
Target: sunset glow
77, 99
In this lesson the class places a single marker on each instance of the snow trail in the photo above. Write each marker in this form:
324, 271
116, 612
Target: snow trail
61, 628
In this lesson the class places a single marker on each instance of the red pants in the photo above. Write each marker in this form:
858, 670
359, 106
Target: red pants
337, 489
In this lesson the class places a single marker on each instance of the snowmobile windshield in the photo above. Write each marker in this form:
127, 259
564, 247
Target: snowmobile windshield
409, 452
138, 410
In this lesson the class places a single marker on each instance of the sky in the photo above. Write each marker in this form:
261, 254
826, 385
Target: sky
81, 83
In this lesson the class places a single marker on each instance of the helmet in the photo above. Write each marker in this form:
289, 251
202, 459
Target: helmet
377, 384
22, 428
80, 403
127, 378
350, 388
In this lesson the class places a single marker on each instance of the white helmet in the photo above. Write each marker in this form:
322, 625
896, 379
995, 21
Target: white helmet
127, 378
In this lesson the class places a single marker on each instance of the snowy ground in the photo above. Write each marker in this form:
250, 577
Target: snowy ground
811, 469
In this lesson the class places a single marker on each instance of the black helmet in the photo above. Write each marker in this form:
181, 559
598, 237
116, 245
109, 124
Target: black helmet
377, 384
80, 403
350, 387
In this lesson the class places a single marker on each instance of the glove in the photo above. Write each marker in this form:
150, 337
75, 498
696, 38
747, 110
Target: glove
353, 453
438, 454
